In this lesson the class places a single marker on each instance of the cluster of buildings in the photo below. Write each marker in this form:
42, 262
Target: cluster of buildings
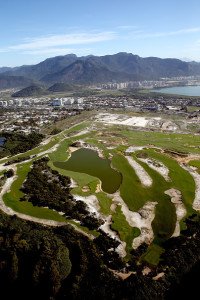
24, 102
69, 102
32, 113
31, 116
150, 84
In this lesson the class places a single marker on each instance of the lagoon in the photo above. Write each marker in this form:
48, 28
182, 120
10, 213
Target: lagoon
87, 161
180, 90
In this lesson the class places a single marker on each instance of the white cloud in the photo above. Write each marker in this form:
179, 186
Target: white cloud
142, 35
64, 40
53, 51
57, 51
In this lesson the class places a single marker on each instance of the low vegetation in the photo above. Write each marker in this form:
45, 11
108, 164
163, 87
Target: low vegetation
19, 142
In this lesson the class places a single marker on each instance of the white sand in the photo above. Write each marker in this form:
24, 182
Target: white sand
133, 149
144, 177
181, 211
157, 166
73, 183
91, 202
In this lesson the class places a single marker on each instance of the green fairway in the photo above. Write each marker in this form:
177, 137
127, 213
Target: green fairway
152, 255
11, 199
188, 143
113, 141
104, 202
180, 179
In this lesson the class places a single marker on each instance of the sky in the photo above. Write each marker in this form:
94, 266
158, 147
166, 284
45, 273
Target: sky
33, 30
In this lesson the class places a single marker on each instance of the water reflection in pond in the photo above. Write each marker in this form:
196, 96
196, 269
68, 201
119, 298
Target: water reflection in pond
87, 161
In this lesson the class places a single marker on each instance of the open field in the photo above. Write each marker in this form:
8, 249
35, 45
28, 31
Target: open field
139, 211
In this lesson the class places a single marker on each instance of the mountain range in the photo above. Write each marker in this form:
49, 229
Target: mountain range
95, 69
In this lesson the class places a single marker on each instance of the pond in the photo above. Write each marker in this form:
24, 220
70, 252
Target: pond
2, 141
87, 161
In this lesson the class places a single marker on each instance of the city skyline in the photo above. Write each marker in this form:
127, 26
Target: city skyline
37, 30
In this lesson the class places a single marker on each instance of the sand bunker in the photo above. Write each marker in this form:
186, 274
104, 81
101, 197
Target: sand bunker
141, 219
140, 172
181, 211
157, 166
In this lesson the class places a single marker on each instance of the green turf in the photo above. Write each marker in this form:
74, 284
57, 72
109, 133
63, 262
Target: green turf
136, 195
2, 172
152, 255
104, 203
195, 163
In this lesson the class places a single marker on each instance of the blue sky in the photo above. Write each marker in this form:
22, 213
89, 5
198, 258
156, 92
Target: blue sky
33, 30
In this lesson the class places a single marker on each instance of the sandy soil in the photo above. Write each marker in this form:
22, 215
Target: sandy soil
140, 171
181, 211
157, 166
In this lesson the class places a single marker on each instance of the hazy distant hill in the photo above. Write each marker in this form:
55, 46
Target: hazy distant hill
4, 69
86, 71
97, 69
48, 66
29, 91
7, 82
